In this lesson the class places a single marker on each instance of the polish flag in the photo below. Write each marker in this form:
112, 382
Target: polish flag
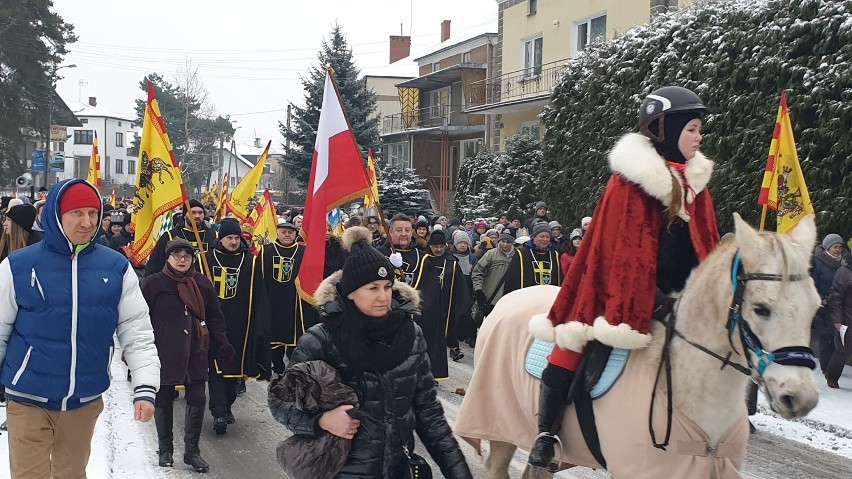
337, 177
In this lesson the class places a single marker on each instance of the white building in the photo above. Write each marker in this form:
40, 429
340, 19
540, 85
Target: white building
116, 134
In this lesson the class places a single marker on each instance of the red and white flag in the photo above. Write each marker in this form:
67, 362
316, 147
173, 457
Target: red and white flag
337, 177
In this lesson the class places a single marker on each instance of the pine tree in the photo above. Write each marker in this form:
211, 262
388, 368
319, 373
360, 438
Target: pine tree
401, 190
477, 186
519, 174
359, 102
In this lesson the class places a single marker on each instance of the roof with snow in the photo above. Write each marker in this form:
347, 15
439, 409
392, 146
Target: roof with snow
84, 109
452, 42
244, 149
404, 68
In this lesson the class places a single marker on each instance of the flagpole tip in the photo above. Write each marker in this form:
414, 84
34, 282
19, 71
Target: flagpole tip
329, 68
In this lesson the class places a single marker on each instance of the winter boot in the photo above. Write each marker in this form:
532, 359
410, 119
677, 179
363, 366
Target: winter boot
456, 354
163, 419
220, 425
192, 433
551, 410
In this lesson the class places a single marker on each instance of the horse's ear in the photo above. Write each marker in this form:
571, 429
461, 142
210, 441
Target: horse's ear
748, 240
804, 233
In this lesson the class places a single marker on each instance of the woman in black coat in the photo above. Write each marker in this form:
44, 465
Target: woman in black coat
368, 334
188, 325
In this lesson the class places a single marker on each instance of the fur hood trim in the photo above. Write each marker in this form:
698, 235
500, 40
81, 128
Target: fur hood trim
327, 291
635, 158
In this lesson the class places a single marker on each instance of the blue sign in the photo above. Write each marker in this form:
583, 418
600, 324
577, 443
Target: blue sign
57, 163
37, 161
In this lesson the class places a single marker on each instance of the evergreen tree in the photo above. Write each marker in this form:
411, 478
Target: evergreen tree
477, 186
33, 40
737, 56
519, 174
401, 189
358, 101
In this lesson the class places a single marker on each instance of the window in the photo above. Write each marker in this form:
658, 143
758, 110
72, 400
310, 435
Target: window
531, 128
83, 137
398, 155
470, 148
57, 146
532, 7
119, 124
466, 57
532, 57
119, 139
131, 167
119, 165
436, 66
84, 120
591, 31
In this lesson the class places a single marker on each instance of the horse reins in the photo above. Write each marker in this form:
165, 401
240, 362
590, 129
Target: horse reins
787, 356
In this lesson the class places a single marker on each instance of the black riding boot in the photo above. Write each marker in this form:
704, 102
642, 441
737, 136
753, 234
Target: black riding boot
163, 419
192, 433
552, 403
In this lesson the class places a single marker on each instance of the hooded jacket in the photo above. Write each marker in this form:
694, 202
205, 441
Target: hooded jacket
59, 309
393, 404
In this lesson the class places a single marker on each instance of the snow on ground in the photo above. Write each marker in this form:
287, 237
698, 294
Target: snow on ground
827, 427
123, 448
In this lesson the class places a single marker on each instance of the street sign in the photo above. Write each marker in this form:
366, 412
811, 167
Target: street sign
58, 133
57, 163
37, 160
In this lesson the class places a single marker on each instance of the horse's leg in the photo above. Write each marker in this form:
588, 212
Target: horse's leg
497, 462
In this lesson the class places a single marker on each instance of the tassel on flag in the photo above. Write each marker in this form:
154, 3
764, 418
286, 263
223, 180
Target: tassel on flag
783, 188
95, 176
337, 176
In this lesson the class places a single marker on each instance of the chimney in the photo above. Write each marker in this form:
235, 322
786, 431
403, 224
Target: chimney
257, 142
93, 101
445, 30
400, 47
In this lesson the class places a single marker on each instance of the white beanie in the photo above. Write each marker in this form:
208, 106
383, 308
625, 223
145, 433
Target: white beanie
461, 236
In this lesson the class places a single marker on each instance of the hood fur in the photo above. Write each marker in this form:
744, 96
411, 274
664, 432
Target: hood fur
635, 158
327, 291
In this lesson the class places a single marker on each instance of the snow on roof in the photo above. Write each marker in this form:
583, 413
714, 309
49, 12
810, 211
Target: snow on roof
454, 40
245, 149
84, 109
404, 68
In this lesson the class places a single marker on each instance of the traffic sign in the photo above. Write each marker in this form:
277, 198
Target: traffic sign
57, 163
37, 160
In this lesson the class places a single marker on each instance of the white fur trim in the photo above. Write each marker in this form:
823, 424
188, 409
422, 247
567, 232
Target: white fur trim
542, 329
635, 158
327, 290
621, 336
574, 335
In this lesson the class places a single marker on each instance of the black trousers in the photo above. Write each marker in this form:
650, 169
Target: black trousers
223, 393
194, 395
278, 354
826, 349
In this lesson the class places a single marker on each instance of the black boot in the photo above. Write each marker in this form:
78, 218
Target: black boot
192, 433
163, 419
551, 410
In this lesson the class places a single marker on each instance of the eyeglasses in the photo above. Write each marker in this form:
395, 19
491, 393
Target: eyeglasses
372, 222
181, 257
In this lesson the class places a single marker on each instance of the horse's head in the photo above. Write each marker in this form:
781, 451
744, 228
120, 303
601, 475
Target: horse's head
778, 303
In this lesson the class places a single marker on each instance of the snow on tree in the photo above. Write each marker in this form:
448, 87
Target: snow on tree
737, 56
476, 187
401, 189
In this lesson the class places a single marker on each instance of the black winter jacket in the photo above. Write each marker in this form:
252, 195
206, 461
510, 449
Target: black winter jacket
393, 405
823, 269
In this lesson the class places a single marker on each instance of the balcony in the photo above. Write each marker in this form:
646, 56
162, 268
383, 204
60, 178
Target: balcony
436, 117
518, 90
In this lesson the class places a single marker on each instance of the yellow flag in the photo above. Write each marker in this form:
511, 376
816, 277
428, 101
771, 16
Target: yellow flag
783, 187
95, 175
112, 198
220, 202
371, 201
262, 223
245, 190
159, 186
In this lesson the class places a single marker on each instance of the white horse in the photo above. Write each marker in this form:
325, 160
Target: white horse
709, 432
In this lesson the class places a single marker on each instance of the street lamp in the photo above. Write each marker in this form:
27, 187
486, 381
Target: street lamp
50, 121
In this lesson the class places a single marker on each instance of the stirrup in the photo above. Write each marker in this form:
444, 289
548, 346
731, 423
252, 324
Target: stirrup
553, 467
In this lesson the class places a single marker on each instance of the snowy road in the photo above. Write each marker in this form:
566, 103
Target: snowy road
124, 449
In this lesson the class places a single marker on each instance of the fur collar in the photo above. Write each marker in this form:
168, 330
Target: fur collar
634, 158
327, 291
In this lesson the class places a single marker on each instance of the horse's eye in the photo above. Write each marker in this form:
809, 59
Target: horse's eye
762, 310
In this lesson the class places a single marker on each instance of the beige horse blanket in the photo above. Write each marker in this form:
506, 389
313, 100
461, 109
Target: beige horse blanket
501, 404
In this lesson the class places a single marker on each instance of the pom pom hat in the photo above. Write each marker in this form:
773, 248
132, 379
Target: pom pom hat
364, 264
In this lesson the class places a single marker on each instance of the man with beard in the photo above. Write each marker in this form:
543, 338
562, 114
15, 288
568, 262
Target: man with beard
413, 267
455, 298
289, 315
238, 281
157, 260
536, 262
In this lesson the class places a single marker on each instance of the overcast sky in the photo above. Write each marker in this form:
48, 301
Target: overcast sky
250, 53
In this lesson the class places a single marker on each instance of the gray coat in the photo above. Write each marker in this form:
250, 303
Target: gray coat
489, 272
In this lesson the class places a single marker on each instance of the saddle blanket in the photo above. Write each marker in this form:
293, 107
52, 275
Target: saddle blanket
536, 361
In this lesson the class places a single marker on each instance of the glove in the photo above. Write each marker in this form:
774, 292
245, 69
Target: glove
481, 300
226, 354
663, 307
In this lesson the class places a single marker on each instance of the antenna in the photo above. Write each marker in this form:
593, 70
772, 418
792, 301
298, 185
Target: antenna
411, 17
81, 84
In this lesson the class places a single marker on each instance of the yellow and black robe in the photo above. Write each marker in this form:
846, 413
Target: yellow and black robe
531, 267
238, 282
289, 315
455, 298
157, 260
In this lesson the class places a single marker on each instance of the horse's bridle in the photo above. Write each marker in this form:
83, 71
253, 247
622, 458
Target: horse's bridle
786, 356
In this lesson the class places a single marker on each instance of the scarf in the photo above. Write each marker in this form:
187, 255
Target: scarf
191, 297
464, 262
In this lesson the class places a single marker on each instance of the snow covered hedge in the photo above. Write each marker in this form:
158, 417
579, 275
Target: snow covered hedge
738, 56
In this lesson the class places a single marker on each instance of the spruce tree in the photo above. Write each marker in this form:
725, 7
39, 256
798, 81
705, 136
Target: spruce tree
477, 186
519, 174
359, 102
401, 190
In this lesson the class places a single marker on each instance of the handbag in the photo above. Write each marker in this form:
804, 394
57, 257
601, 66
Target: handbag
417, 467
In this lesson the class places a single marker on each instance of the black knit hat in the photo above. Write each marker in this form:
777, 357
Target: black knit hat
364, 264
23, 215
192, 204
438, 237
228, 227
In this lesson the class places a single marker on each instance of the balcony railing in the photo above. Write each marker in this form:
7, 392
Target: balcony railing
527, 83
429, 117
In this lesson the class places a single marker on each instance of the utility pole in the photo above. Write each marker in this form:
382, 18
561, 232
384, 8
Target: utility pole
221, 157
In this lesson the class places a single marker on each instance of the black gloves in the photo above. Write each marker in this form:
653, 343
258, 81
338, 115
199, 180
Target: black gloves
481, 300
663, 306
226, 354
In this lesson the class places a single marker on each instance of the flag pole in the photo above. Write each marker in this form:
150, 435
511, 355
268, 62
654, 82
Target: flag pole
762, 219
197, 239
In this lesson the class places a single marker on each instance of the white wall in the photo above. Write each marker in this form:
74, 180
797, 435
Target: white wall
77, 155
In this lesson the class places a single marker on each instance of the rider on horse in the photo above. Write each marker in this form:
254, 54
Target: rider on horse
653, 224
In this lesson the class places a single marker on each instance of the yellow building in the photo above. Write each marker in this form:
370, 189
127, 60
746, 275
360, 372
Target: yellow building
535, 40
